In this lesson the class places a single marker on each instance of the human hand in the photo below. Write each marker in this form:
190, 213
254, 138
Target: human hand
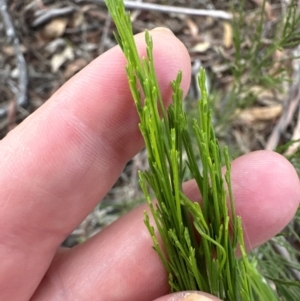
67, 155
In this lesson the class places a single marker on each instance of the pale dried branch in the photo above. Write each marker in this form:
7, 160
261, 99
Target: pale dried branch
295, 137
290, 105
44, 16
289, 108
220, 14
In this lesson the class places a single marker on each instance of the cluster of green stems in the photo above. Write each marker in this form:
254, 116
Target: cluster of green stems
197, 243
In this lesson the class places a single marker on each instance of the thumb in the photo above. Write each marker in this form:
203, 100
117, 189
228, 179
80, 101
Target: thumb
188, 296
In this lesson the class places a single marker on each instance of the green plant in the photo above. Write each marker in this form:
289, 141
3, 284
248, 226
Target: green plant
198, 243
254, 65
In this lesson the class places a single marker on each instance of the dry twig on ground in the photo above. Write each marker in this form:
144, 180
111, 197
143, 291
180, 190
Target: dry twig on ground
47, 15
174, 9
290, 105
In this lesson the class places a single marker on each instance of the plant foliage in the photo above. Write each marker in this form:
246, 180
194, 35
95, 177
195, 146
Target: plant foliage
197, 244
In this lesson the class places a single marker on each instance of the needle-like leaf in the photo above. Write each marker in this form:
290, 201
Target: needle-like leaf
199, 242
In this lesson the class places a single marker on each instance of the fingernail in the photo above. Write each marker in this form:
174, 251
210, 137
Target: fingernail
163, 29
196, 297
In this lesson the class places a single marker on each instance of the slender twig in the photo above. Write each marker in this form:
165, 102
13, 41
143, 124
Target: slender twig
289, 108
174, 9
47, 15
295, 137
290, 105
22, 99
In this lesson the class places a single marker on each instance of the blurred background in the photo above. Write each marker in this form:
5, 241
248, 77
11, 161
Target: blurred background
250, 50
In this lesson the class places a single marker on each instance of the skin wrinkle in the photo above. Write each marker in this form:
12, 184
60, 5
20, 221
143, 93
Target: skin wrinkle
91, 159
125, 284
109, 131
42, 193
30, 228
21, 254
64, 292
72, 171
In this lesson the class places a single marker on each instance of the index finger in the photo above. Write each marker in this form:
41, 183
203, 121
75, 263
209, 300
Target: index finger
64, 158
